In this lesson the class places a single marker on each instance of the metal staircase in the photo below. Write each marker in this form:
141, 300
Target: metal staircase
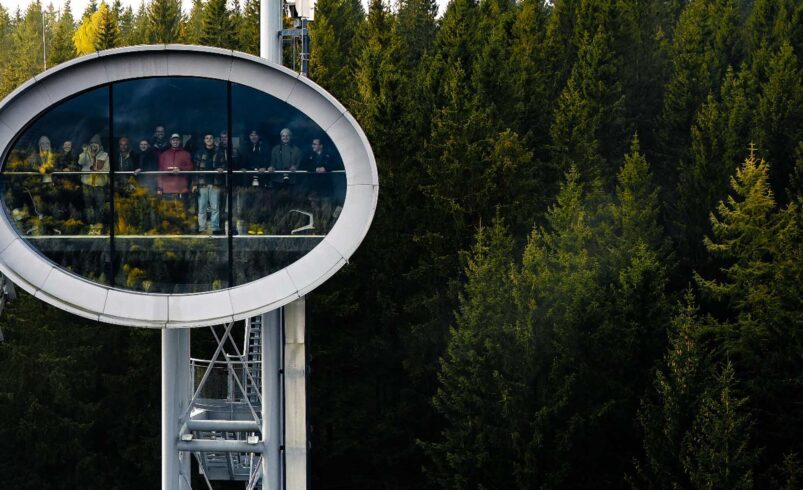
253, 349
228, 410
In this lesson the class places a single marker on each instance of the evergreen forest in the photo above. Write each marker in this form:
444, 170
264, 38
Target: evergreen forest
585, 270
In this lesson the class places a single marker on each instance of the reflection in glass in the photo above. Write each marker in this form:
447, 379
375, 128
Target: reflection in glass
199, 202
56, 186
170, 188
289, 184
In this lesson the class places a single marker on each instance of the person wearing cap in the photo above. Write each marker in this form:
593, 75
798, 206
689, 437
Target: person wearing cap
175, 159
95, 162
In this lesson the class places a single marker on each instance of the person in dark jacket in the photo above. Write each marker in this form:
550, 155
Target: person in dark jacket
250, 199
146, 161
209, 186
125, 160
158, 142
67, 159
318, 163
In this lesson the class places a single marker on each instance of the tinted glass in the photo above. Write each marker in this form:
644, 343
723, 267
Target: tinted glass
170, 184
200, 202
288, 184
56, 186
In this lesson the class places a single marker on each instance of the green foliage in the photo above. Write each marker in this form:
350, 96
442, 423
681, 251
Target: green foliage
717, 452
248, 33
62, 48
759, 289
332, 44
108, 31
483, 375
66, 392
216, 25
164, 20
520, 354
194, 26
26, 46
705, 43
588, 122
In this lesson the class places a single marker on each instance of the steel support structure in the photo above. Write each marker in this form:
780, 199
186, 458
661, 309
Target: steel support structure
295, 395
176, 393
283, 463
272, 467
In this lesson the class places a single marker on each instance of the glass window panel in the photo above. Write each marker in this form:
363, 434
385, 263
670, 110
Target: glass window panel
183, 187
288, 184
55, 184
170, 184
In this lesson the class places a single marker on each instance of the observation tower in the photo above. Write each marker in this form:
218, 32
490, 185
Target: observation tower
174, 187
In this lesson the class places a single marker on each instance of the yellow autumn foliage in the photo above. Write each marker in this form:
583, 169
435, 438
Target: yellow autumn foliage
87, 33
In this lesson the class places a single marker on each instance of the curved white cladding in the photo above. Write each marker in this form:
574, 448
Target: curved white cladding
47, 281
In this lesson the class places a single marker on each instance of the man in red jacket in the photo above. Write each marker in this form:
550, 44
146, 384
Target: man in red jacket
175, 159
174, 186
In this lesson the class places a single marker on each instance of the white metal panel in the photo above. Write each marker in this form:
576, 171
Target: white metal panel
30, 269
27, 266
6, 134
354, 151
7, 232
278, 83
58, 303
74, 291
32, 100
353, 223
295, 395
314, 269
150, 309
202, 63
128, 63
263, 294
17, 92
73, 78
307, 98
196, 309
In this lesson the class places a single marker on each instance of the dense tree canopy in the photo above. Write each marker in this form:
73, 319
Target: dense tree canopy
585, 270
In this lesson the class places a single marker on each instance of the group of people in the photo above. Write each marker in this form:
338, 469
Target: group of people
208, 162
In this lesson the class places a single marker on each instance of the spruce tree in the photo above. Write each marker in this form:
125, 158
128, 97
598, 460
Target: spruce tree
248, 33
26, 46
108, 32
332, 45
91, 8
758, 291
194, 24
530, 99
588, 124
721, 126
668, 411
126, 25
415, 29
62, 48
705, 43
779, 116
216, 25
483, 376
717, 453
139, 31
562, 305
164, 19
